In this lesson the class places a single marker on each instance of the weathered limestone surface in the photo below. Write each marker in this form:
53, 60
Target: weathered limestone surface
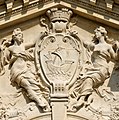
59, 62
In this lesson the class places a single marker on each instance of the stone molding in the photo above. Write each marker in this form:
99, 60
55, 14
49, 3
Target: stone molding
101, 12
61, 75
104, 15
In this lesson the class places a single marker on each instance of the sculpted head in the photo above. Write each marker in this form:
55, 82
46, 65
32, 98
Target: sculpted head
100, 31
17, 35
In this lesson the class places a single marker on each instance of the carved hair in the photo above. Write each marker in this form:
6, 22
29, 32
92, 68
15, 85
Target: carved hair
103, 31
16, 32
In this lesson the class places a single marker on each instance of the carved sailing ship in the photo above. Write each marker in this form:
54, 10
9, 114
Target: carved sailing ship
60, 72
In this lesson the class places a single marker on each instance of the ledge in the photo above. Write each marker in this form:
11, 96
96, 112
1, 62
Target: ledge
81, 7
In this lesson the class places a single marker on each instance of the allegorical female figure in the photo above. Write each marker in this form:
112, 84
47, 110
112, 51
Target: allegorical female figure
98, 70
20, 70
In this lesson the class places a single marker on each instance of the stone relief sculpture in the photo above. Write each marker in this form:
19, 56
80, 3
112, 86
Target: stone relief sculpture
19, 68
3, 54
63, 71
98, 70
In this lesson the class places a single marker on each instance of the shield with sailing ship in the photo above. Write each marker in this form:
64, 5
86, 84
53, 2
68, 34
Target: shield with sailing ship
58, 57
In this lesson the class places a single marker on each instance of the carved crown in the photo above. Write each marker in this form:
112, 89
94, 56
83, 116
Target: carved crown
55, 14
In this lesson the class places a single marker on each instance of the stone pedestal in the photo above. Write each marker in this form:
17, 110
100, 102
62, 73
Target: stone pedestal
59, 108
59, 101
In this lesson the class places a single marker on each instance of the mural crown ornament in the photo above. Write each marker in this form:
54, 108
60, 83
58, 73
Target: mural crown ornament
56, 14
60, 72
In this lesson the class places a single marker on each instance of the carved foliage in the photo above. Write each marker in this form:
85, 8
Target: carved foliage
62, 67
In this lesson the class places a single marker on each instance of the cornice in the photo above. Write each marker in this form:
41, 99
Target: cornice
85, 8
94, 8
96, 12
22, 13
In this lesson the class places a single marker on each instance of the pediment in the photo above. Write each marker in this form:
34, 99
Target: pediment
59, 60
